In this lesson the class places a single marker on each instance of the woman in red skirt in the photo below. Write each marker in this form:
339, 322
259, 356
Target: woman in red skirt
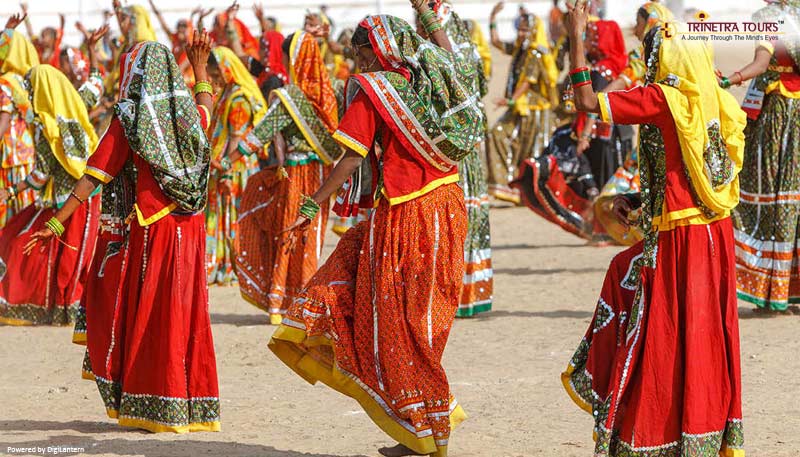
373, 322
659, 367
45, 287
149, 342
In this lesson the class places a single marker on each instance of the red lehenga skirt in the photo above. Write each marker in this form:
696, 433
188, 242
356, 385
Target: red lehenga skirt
148, 332
45, 287
374, 321
272, 274
544, 190
659, 366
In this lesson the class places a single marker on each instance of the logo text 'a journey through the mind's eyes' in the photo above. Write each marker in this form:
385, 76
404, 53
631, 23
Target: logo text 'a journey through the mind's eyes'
702, 29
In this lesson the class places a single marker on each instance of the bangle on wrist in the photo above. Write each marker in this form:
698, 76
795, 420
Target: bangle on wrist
511, 102
724, 83
309, 208
203, 87
12, 192
55, 226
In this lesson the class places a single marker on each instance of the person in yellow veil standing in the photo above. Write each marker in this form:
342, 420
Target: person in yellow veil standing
45, 287
239, 106
17, 56
523, 130
659, 367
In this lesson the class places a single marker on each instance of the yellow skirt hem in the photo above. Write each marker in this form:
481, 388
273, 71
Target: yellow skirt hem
285, 344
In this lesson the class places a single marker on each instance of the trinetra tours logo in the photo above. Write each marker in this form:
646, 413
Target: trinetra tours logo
702, 29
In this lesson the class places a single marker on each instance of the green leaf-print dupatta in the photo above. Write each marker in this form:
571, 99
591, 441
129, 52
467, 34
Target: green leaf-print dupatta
425, 95
162, 125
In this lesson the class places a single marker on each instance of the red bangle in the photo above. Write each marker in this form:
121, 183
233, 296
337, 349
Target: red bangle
585, 83
578, 70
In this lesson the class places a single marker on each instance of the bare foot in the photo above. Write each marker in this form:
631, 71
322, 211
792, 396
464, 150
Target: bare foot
397, 451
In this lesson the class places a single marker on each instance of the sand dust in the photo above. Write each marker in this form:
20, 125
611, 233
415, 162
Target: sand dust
504, 368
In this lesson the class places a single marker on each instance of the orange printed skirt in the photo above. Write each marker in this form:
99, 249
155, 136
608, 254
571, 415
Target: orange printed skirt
45, 287
271, 275
374, 320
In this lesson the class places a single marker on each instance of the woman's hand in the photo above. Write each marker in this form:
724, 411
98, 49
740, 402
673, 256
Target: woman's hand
15, 20
500, 102
583, 145
42, 235
496, 10
577, 18
225, 187
94, 37
198, 48
621, 207
232, 10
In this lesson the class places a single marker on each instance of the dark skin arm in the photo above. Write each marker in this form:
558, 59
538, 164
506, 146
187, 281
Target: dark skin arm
439, 38
577, 18
759, 65
83, 189
160, 18
197, 50
343, 170
494, 36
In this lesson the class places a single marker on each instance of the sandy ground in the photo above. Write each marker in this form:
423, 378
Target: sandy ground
504, 368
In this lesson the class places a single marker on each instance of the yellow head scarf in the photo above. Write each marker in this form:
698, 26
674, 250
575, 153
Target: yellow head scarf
708, 120
539, 47
483, 47
634, 72
234, 72
65, 121
17, 56
141, 28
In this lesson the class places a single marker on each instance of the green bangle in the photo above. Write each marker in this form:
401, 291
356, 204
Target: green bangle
580, 77
725, 83
309, 208
511, 102
55, 226
492, 25
201, 87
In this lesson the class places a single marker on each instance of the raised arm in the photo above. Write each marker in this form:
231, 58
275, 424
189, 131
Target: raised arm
494, 37
432, 24
161, 20
197, 51
28, 27
585, 97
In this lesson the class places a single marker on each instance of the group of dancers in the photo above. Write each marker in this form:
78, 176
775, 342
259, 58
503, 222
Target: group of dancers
222, 156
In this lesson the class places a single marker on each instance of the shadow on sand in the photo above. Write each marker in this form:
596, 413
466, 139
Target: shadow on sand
181, 446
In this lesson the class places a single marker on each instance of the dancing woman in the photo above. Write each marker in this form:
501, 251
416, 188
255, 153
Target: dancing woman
476, 295
768, 218
524, 129
155, 374
300, 122
659, 367
239, 106
44, 288
17, 56
373, 322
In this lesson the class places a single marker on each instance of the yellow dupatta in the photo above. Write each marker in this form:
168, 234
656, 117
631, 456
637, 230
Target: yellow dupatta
483, 47
17, 56
636, 69
710, 126
142, 28
539, 44
234, 73
64, 119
